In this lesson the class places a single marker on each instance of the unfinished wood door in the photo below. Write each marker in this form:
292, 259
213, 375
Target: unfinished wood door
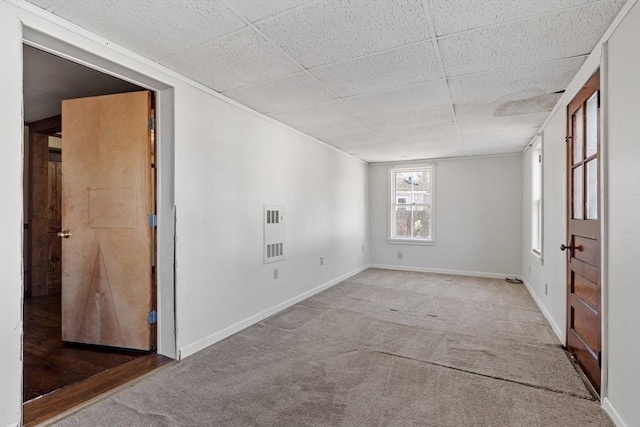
106, 203
583, 257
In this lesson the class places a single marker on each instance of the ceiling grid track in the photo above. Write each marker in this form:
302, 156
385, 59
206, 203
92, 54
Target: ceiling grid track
306, 71
436, 51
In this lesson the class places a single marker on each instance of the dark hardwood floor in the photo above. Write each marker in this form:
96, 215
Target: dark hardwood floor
50, 364
61, 377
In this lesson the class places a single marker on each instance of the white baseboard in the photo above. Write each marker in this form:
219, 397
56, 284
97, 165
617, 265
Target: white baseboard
243, 324
611, 411
544, 311
442, 271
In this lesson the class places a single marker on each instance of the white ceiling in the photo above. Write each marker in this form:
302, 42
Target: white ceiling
384, 80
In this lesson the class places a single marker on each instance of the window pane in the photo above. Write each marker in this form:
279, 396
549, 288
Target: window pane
403, 188
592, 189
420, 188
592, 125
578, 139
577, 193
402, 222
421, 220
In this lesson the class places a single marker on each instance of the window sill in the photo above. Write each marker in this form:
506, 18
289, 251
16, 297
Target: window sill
411, 242
538, 256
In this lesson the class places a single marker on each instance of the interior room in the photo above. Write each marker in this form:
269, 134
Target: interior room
320, 212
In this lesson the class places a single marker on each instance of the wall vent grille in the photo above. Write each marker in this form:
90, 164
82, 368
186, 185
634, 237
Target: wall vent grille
273, 233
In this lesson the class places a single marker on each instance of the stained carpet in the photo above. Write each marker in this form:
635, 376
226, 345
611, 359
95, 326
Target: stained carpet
384, 348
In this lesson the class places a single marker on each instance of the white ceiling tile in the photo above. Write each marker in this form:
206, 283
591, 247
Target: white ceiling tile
331, 31
315, 117
151, 29
382, 152
348, 134
48, 4
451, 16
435, 133
524, 109
514, 84
435, 153
237, 60
395, 100
504, 122
515, 147
394, 68
255, 10
487, 137
288, 92
549, 37
412, 118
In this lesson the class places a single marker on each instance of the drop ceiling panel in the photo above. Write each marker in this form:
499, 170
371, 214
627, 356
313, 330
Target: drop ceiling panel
348, 134
151, 29
237, 60
395, 100
288, 92
503, 60
514, 83
255, 10
328, 32
387, 70
487, 137
440, 132
412, 118
315, 117
452, 16
515, 147
534, 109
497, 124
545, 38
383, 152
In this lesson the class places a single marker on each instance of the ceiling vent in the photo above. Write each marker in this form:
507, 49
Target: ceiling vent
273, 233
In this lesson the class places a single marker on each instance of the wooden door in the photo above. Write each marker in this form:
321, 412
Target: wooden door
583, 247
106, 203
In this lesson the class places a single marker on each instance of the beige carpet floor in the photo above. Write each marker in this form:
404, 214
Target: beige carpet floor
384, 348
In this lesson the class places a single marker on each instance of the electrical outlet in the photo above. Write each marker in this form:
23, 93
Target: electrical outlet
275, 273
321, 260
399, 255
546, 288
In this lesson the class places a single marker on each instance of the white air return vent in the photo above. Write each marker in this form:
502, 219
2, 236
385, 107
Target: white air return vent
273, 233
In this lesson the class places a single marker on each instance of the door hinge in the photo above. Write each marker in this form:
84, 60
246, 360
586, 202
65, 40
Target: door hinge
153, 220
152, 123
153, 317
600, 360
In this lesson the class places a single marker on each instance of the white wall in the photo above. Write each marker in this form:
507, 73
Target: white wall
228, 165
621, 245
623, 283
478, 219
229, 162
551, 269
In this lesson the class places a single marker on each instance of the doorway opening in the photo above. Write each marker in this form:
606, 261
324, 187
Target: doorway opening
59, 368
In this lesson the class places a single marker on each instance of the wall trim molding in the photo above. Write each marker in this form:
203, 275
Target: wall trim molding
612, 412
543, 309
444, 271
195, 347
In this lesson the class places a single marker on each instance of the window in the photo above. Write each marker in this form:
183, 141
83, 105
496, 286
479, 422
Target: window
536, 199
412, 204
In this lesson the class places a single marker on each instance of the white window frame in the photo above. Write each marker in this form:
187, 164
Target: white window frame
392, 205
537, 198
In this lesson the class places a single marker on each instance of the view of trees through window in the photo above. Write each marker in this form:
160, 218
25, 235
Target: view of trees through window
411, 210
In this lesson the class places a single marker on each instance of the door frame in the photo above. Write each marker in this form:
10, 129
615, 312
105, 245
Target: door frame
165, 166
